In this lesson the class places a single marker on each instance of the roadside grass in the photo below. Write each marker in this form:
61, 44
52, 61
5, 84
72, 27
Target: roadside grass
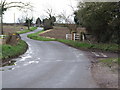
106, 47
110, 60
36, 36
25, 31
9, 51
76, 44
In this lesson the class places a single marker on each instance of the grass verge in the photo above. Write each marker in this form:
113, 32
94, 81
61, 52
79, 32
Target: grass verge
110, 61
25, 31
36, 36
9, 51
80, 45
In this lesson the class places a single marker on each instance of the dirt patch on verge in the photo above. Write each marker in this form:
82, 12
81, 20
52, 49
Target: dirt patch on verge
105, 76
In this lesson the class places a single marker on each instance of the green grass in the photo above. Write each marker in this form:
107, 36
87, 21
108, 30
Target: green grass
76, 44
9, 51
36, 36
106, 47
25, 31
110, 61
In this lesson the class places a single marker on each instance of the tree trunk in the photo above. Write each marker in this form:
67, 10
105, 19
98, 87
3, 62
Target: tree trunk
28, 24
1, 23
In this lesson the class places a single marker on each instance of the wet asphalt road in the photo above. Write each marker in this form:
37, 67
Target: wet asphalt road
49, 64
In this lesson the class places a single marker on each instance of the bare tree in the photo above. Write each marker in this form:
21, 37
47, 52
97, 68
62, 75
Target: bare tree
21, 20
67, 20
64, 17
49, 12
4, 6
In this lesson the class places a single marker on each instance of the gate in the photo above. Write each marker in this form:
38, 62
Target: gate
75, 36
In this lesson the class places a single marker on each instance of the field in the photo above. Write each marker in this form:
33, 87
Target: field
59, 32
11, 28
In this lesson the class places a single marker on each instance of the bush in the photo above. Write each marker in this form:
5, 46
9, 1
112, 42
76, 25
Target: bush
47, 24
101, 20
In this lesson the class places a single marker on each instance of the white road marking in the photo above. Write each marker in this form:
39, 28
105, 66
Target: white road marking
30, 62
26, 64
24, 58
77, 56
95, 54
12, 68
17, 67
81, 54
39, 58
103, 55
59, 60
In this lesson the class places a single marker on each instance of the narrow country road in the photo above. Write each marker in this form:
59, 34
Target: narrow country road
49, 64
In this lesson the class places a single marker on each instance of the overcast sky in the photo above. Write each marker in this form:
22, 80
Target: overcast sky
40, 6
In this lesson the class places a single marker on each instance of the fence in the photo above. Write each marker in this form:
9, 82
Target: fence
69, 36
75, 36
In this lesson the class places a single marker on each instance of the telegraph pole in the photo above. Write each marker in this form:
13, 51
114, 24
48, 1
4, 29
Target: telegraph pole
14, 24
1, 19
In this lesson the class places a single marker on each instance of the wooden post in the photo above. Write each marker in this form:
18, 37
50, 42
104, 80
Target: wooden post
74, 36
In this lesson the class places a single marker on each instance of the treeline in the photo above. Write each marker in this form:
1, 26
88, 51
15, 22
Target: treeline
47, 23
101, 19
